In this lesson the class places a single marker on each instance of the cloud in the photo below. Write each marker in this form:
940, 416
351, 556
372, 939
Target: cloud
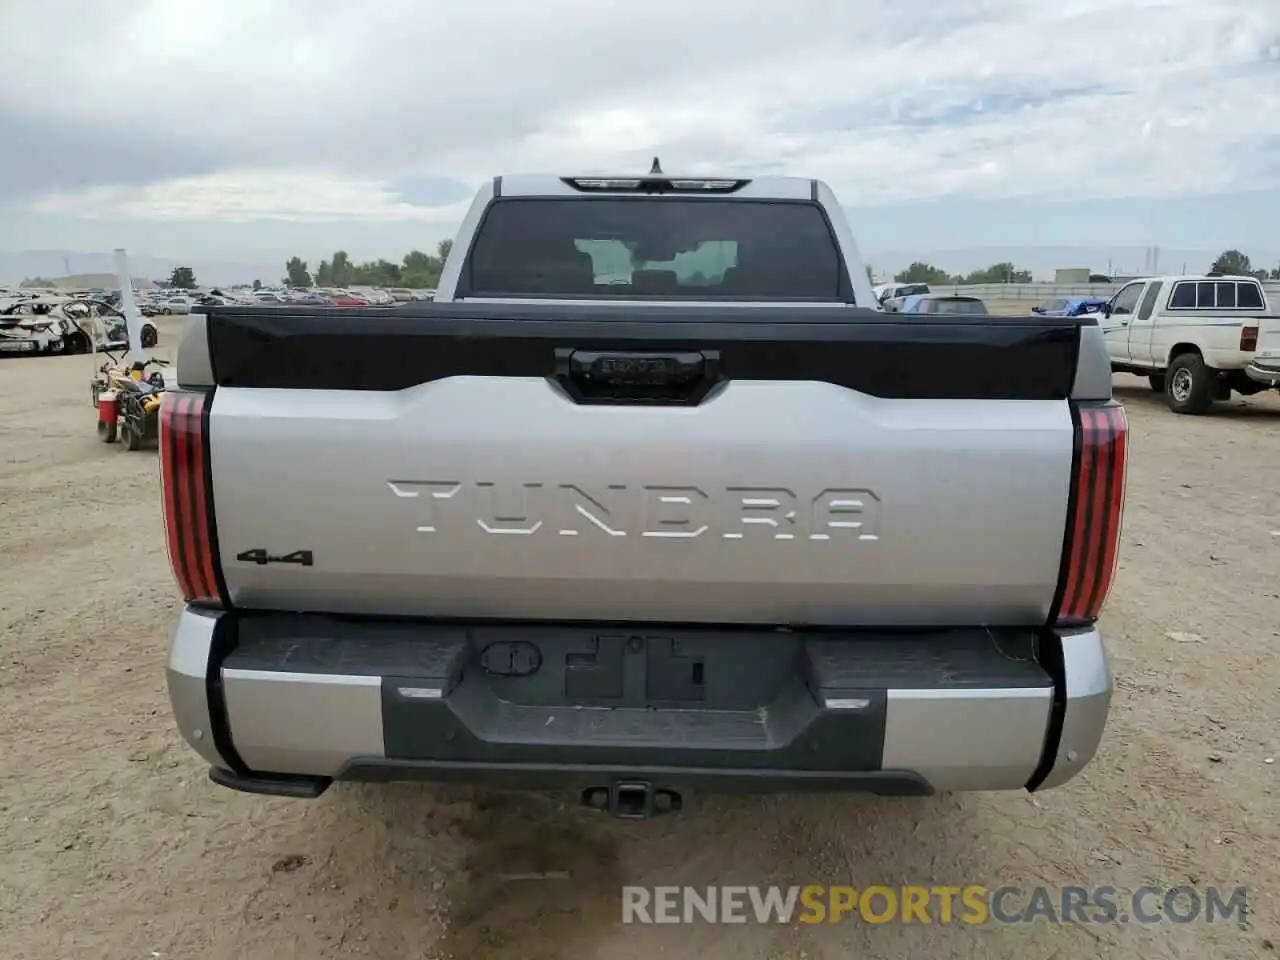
243, 196
391, 110
38, 153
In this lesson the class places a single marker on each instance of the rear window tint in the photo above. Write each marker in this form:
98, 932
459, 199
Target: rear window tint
655, 248
1184, 296
1249, 296
1220, 295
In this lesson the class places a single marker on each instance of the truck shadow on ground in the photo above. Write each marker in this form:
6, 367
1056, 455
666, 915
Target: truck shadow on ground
533, 876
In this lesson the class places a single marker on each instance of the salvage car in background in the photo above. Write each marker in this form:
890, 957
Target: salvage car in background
943, 303
46, 325
1070, 306
891, 295
39, 326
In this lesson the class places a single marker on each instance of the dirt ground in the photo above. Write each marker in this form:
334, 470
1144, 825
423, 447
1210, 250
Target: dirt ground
113, 844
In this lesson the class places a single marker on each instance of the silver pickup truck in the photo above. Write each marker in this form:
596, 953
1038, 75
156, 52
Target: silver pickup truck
648, 501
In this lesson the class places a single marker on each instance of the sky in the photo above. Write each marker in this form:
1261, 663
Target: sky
237, 130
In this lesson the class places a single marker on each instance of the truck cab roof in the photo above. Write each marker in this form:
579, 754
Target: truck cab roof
1182, 277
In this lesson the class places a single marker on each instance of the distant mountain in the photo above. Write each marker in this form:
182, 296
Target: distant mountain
1043, 261
16, 267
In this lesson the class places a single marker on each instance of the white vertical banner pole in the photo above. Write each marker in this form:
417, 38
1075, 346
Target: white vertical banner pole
127, 304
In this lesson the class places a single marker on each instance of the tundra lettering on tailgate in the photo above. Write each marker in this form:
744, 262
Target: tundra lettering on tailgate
653, 511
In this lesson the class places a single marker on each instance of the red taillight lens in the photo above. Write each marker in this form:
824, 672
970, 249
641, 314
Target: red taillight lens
188, 517
1097, 502
1249, 339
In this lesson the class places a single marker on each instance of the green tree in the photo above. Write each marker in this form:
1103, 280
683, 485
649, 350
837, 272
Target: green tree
342, 269
416, 270
999, 273
415, 261
1232, 262
296, 273
182, 278
379, 273
922, 273
257, 284
421, 270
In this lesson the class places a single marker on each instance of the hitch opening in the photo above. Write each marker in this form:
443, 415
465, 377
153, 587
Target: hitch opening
632, 800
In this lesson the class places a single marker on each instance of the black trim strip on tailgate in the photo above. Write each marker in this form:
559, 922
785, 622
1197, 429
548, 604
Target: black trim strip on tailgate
885, 355
215, 555
1073, 504
224, 641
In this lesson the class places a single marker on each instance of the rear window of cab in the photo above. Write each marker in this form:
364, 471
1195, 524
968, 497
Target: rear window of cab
1217, 295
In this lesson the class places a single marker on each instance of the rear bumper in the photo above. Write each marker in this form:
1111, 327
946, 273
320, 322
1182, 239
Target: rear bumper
1264, 371
286, 704
16, 345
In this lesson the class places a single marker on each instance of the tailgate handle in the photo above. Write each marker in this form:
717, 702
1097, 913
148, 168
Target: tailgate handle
632, 368
682, 377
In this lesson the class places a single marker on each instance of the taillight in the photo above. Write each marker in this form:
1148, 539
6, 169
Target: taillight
1094, 512
1248, 339
188, 514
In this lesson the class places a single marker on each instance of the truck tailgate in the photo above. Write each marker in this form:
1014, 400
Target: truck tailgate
1268, 338
877, 473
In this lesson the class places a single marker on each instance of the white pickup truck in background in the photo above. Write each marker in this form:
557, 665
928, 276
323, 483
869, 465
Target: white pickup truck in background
1197, 339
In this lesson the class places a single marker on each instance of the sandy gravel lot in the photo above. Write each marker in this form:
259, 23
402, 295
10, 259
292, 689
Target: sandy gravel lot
113, 844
